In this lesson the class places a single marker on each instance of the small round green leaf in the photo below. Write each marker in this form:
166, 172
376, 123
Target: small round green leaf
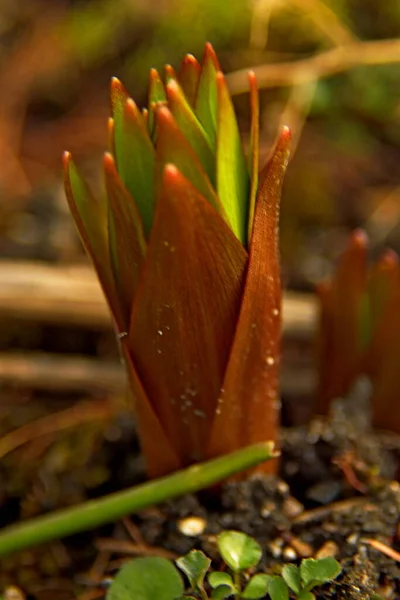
238, 550
316, 572
146, 579
221, 592
218, 578
257, 587
195, 566
306, 596
277, 589
291, 575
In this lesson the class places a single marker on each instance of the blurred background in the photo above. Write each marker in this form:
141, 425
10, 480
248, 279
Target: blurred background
328, 68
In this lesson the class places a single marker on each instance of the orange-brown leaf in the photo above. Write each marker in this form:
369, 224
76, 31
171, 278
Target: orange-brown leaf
385, 349
324, 347
385, 313
161, 459
185, 313
349, 286
188, 77
248, 409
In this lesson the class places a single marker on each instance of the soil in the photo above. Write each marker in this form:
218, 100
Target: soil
336, 495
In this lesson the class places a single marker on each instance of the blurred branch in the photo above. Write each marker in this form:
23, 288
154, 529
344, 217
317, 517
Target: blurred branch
39, 53
57, 294
326, 21
55, 372
261, 16
72, 295
82, 412
325, 64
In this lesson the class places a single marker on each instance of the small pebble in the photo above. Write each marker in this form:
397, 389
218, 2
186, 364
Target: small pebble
352, 539
324, 492
292, 507
192, 526
303, 549
330, 527
330, 548
282, 488
13, 593
267, 508
275, 547
289, 553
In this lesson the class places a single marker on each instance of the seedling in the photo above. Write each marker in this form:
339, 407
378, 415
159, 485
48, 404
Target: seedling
311, 573
360, 330
140, 579
185, 245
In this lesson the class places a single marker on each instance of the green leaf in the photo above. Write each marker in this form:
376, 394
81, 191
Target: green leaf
306, 596
253, 157
119, 96
90, 217
188, 77
316, 572
206, 100
126, 238
156, 94
195, 566
217, 578
277, 589
257, 587
146, 579
291, 574
138, 157
232, 175
191, 127
221, 592
172, 147
238, 550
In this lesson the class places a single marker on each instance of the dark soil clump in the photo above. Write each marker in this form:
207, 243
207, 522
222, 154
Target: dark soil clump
336, 496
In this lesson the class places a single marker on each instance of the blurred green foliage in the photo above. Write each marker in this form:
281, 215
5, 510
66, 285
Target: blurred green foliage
349, 134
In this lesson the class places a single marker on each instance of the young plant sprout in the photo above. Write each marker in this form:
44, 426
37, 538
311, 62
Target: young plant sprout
360, 330
185, 245
150, 578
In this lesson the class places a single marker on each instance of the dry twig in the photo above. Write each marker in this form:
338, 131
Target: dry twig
72, 295
337, 60
82, 412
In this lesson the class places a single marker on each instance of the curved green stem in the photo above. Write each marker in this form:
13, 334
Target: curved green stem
105, 510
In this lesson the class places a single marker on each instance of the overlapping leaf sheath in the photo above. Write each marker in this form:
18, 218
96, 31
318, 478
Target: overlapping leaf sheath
185, 245
360, 331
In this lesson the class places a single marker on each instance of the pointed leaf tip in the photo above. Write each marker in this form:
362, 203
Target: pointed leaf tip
173, 147
170, 174
359, 239
170, 73
156, 94
66, 159
191, 127
118, 93
210, 54
188, 77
